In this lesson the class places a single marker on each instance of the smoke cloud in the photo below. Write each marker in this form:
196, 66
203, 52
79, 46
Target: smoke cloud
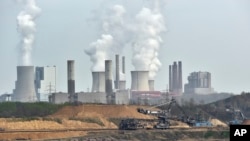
98, 52
112, 40
143, 31
149, 27
26, 26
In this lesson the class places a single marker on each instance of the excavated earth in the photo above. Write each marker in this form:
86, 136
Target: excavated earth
101, 112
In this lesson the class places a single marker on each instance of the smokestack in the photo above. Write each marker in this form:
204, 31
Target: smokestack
25, 87
180, 76
108, 80
151, 85
71, 80
175, 76
209, 80
98, 81
139, 80
170, 78
123, 64
117, 72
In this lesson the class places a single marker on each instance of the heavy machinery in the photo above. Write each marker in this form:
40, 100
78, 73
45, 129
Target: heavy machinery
130, 124
163, 118
198, 121
162, 121
237, 116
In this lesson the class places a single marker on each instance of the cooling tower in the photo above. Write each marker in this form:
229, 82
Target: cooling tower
122, 85
98, 81
71, 80
151, 84
139, 81
108, 76
117, 72
25, 87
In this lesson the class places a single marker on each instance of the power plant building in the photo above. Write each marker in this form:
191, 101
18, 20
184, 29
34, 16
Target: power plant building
45, 82
199, 83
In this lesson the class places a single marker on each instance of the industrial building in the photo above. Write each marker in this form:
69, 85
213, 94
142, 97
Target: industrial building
45, 82
25, 87
199, 83
102, 86
175, 79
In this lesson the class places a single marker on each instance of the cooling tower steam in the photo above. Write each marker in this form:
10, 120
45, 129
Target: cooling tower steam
98, 52
112, 39
150, 25
26, 26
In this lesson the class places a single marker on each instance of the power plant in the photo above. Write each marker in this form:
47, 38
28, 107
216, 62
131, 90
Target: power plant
24, 87
45, 82
199, 83
31, 86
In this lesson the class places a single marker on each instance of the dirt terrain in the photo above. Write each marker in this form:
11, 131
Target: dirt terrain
63, 122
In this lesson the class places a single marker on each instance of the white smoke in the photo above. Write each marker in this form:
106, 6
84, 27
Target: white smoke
150, 25
112, 40
98, 52
26, 26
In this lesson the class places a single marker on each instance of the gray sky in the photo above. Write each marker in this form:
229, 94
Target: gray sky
206, 35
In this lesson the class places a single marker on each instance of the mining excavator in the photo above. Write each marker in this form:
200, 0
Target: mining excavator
163, 118
237, 116
161, 122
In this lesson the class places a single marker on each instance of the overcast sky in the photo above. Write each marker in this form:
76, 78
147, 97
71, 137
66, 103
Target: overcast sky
206, 35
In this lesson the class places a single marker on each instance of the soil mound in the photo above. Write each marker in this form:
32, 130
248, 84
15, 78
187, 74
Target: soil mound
217, 122
101, 111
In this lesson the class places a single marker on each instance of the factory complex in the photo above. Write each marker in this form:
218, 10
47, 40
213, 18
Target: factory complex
39, 84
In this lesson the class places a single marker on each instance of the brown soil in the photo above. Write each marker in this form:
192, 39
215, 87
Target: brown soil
102, 112
246, 122
217, 122
106, 111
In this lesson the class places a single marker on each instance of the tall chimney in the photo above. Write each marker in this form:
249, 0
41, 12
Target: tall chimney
71, 80
25, 85
98, 81
123, 64
170, 78
180, 76
175, 76
139, 81
117, 72
108, 80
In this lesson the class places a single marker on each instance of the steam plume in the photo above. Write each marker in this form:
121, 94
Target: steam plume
26, 26
98, 52
112, 40
150, 25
